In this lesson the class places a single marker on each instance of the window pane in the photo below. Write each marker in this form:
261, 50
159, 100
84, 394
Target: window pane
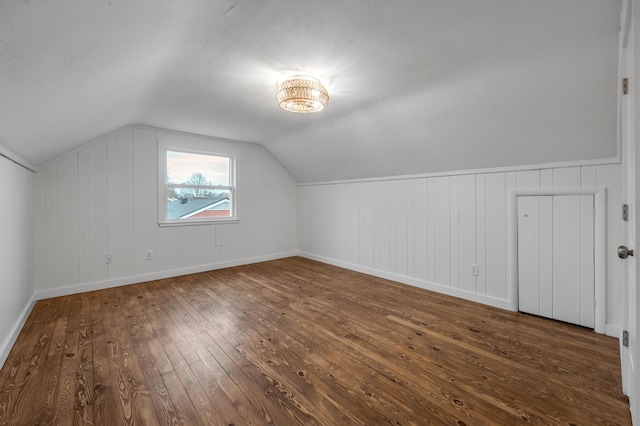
215, 204
197, 169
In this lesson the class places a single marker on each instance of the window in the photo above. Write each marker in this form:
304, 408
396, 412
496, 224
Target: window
195, 186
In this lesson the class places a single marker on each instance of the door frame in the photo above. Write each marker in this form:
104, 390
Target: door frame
599, 246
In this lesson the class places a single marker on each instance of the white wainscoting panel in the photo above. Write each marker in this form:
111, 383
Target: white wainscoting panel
427, 231
102, 199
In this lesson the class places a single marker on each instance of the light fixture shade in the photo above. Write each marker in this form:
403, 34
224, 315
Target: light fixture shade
302, 94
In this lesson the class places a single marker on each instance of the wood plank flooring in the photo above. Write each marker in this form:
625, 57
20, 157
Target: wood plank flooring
294, 341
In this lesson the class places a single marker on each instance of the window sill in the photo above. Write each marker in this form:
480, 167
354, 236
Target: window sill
198, 222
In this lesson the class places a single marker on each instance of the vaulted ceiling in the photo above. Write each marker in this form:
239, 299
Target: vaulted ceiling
416, 86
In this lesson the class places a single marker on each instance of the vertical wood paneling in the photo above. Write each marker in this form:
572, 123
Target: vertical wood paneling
589, 179
22, 243
529, 254
393, 211
98, 213
250, 209
420, 233
352, 212
67, 214
456, 220
511, 183
83, 215
337, 216
367, 226
589, 176
320, 214
136, 188
316, 214
149, 196
528, 179
251, 228
467, 231
431, 229
496, 243
39, 226
454, 230
567, 177
314, 227
51, 196
546, 178
124, 203
546, 256
225, 235
112, 206
442, 234
427, 228
381, 225
189, 249
587, 269
399, 216
260, 204
319, 237
481, 228
284, 221
102, 200
411, 257
304, 236
206, 243
567, 262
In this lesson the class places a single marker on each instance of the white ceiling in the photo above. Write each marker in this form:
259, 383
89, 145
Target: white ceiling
416, 86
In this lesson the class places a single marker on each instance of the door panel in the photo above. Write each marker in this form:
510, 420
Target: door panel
556, 257
587, 262
566, 258
529, 255
546, 256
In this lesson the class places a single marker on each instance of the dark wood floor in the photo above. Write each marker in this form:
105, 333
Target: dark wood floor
298, 342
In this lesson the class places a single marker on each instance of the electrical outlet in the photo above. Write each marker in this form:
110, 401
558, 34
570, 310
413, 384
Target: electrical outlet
108, 259
149, 255
473, 269
220, 247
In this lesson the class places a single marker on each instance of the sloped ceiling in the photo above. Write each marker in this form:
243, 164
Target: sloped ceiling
416, 86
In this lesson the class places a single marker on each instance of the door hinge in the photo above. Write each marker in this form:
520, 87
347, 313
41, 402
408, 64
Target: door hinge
625, 212
625, 86
625, 338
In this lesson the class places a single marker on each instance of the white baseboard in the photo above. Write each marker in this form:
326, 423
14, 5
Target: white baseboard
135, 279
9, 341
438, 288
612, 330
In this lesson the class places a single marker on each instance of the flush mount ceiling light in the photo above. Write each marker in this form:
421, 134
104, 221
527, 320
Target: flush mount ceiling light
301, 93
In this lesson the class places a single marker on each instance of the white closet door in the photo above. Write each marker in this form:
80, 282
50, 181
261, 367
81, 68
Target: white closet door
529, 255
556, 257
587, 261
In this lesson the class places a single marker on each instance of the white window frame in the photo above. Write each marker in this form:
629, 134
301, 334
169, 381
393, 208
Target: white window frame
163, 147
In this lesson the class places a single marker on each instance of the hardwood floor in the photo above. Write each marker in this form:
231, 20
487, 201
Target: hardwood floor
294, 341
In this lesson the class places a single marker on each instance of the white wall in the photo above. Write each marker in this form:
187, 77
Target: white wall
102, 199
426, 231
16, 242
